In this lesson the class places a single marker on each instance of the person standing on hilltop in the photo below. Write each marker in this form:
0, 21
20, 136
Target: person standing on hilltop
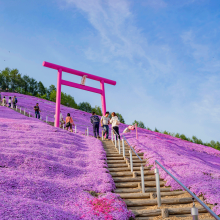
16, 101
115, 123
13, 102
9, 102
104, 123
37, 111
4, 101
95, 121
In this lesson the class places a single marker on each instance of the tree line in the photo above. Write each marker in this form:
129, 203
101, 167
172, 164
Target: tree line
194, 139
12, 80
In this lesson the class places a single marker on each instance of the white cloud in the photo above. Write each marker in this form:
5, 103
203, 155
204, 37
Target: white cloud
120, 39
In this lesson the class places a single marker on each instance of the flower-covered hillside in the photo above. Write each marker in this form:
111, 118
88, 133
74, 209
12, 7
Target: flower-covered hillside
80, 118
196, 166
49, 173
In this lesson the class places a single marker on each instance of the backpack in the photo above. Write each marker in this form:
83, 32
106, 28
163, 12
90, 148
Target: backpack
118, 122
16, 100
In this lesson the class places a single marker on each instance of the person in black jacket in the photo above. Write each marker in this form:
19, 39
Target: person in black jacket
95, 121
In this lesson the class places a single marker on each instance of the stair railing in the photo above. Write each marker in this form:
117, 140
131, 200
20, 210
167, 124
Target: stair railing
194, 210
131, 162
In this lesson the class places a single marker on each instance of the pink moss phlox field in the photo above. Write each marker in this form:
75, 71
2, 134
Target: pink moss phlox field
47, 173
196, 166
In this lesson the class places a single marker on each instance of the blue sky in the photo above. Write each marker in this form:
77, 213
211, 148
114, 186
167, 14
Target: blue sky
164, 55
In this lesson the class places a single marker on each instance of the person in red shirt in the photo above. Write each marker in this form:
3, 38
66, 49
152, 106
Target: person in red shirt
69, 123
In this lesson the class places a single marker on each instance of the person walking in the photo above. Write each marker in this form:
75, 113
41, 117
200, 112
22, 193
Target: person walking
115, 123
13, 102
37, 111
9, 102
95, 121
105, 121
69, 123
16, 101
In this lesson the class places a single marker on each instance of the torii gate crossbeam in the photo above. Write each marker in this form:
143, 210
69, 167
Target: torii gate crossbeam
60, 82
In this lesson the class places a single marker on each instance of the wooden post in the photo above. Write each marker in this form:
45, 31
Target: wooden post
165, 213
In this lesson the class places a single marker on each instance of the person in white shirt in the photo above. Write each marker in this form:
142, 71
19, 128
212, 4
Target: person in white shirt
115, 123
62, 122
105, 120
4, 102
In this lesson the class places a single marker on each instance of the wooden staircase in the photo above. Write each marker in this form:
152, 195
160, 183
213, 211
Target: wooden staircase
175, 204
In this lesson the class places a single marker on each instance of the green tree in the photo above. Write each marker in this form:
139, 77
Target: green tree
25, 84
140, 124
97, 110
156, 130
14, 76
41, 89
183, 137
6, 78
120, 118
50, 89
33, 86
52, 96
177, 135
195, 139
85, 106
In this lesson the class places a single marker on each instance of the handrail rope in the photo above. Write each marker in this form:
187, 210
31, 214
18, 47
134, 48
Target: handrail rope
132, 148
190, 192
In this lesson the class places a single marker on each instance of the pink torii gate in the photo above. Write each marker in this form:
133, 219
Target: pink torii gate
60, 82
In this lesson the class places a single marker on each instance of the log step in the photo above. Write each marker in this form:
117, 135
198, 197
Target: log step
147, 195
131, 179
134, 195
126, 185
158, 212
153, 189
135, 184
126, 190
115, 161
115, 158
117, 165
177, 211
145, 218
116, 174
151, 202
150, 172
120, 174
118, 169
147, 213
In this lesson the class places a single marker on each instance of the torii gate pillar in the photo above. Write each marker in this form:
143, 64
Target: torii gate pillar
60, 82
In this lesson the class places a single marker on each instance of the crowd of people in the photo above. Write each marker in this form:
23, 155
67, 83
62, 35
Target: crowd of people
11, 103
105, 121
